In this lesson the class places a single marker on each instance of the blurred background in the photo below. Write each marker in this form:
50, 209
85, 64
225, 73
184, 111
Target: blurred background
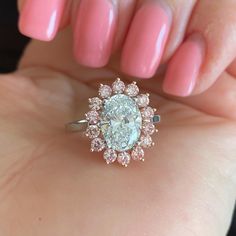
12, 44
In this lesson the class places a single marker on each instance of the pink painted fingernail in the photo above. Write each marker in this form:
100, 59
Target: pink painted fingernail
146, 40
184, 67
94, 32
40, 19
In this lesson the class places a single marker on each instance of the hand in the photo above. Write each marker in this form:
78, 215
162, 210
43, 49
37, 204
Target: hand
197, 38
52, 185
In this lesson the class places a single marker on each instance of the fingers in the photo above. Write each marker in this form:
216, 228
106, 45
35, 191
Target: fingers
145, 43
99, 28
102, 26
125, 14
184, 67
219, 100
96, 27
150, 29
94, 32
41, 19
193, 69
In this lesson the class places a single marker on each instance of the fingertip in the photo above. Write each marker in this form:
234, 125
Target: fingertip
94, 32
40, 20
145, 44
184, 67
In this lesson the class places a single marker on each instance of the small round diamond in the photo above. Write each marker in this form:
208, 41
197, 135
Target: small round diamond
93, 131
148, 128
123, 158
105, 91
138, 154
147, 113
95, 103
132, 90
118, 86
92, 117
142, 100
97, 145
110, 156
146, 141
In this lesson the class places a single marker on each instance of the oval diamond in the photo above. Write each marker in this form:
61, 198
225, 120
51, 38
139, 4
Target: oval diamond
121, 122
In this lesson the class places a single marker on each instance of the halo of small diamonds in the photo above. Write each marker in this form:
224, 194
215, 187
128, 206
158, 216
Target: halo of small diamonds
92, 131
95, 103
105, 91
110, 156
137, 154
124, 158
92, 117
132, 90
143, 100
98, 125
118, 86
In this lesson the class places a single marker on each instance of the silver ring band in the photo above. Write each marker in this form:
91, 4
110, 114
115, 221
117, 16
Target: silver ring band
81, 125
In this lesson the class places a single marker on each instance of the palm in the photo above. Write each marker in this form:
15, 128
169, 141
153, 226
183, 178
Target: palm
52, 185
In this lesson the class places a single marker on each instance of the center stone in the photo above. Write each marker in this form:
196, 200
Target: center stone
121, 122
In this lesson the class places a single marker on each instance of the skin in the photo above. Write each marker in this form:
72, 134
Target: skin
213, 20
52, 185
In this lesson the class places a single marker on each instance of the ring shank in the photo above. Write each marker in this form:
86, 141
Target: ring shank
81, 125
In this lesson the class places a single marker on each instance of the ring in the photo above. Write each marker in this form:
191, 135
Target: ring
120, 123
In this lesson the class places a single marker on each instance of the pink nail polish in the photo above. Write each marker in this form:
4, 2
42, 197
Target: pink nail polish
184, 67
146, 40
40, 19
94, 32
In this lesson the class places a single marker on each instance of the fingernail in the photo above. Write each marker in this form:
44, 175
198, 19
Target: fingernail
184, 67
94, 32
146, 40
40, 19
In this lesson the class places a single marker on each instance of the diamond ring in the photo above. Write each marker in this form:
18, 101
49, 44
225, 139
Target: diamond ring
120, 123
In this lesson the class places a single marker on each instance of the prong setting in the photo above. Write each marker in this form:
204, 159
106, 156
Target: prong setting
96, 124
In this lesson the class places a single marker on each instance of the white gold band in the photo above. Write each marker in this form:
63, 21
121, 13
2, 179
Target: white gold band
81, 125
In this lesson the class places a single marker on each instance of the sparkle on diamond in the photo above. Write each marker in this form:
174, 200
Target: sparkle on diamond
121, 122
